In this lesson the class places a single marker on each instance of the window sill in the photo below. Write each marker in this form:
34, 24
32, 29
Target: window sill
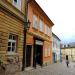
35, 28
11, 53
41, 31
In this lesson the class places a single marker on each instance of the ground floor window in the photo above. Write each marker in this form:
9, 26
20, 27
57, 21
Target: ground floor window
12, 43
48, 51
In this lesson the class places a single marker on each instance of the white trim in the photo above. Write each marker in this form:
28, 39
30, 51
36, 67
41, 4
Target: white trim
18, 4
35, 21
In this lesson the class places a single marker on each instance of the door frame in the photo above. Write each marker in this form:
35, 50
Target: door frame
34, 51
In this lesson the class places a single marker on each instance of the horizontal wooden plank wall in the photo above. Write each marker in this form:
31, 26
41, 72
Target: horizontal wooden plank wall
10, 24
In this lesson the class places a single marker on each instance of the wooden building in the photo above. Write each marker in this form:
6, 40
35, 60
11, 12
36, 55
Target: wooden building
11, 30
38, 37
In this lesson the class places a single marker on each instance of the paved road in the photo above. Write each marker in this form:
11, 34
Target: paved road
53, 69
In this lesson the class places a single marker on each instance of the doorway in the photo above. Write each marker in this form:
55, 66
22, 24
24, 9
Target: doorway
66, 57
54, 57
28, 55
39, 54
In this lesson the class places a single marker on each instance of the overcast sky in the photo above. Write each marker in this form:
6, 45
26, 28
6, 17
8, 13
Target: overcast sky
62, 13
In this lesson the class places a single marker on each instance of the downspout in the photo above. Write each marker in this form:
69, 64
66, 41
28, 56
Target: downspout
25, 32
24, 42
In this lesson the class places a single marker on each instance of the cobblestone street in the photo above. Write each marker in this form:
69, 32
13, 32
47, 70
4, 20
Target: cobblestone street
54, 69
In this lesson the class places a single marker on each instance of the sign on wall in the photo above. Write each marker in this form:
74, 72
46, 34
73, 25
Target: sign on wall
39, 42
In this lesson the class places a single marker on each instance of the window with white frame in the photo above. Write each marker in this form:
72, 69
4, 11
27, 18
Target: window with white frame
45, 29
35, 21
12, 43
41, 25
48, 31
17, 4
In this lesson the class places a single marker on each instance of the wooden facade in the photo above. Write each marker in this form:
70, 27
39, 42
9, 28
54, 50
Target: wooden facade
38, 40
11, 22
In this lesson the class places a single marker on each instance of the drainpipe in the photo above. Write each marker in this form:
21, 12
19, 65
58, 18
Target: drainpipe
26, 27
25, 31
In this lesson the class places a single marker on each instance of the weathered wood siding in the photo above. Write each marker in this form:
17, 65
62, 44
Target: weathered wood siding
10, 24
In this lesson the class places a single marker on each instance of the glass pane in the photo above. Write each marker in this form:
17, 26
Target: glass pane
13, 49
13, 44
9, 43
14, 37
10, 36
9, 48
15, 1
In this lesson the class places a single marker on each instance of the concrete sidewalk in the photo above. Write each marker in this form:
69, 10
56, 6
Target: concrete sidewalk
53, 69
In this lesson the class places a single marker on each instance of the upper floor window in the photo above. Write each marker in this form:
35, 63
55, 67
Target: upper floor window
17, 4
15, 1
45, 29
35, 21
48, 31
41, 25
12, 43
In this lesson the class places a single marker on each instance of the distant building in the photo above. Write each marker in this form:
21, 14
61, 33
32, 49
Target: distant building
55, 48
68, 49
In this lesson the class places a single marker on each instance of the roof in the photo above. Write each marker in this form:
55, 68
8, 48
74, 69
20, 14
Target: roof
67, 47
42, 11
55, 36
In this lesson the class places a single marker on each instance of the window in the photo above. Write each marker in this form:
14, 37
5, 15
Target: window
45, 52
41, 25
53, 44
35, 21
15, 1
48, 51
48, 31
12, 43
45, 29
17, 4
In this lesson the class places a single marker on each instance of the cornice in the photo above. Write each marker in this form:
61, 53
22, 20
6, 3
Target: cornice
39, 36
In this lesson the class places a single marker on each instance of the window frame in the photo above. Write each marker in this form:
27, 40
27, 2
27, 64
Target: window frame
41, 25
35, 21
17, 4
12, 40
48, 49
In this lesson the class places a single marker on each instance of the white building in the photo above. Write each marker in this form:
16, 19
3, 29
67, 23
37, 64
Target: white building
55, 48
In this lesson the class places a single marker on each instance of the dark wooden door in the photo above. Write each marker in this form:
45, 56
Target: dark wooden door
28, 55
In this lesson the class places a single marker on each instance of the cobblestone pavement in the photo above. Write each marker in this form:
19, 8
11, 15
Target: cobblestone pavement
53, 69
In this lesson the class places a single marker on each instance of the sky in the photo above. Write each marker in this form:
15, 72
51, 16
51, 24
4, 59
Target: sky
62, 14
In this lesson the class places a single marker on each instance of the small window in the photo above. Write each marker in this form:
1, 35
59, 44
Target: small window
41, 25
17, 4
35, 21
45, 29
48, 51
45, 52
12, 43
15, 1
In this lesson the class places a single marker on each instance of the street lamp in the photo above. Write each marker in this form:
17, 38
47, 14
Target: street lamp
26, 27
